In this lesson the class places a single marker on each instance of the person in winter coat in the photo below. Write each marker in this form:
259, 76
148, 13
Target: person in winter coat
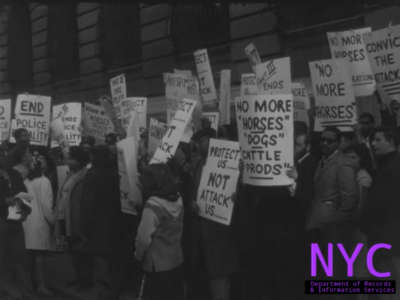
158, 241
38, 225
380, 219
68, 215
102, 222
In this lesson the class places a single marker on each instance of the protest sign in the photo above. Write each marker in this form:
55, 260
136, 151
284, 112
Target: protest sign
118, 92
5, 119
157, 130
174, 132
70, 115
184, 72
224, 154
265, 126
177, 87
219, 181
335, 104
96, 122
350, 46
138, 104
301, 103
215, 192
274, 76
383, 49
253, 55
213, 117
131, 196
225, 97
32, 112
248, 85
206, 80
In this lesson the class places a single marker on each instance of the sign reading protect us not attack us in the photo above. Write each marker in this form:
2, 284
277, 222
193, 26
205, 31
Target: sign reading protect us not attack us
350, 46
96, 122
265, 126
174, 132
219, 181
32, 112
5, 119
274, 76
118, 92
206, 79
335, 104
70, 115
383, 49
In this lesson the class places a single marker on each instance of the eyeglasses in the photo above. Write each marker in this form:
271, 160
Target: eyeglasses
328, 141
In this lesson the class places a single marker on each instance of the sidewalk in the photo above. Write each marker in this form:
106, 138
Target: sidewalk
59, 272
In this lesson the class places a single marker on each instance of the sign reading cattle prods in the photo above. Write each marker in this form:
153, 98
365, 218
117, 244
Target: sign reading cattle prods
265, 126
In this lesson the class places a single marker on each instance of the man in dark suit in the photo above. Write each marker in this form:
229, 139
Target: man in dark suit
335, 196
380, 219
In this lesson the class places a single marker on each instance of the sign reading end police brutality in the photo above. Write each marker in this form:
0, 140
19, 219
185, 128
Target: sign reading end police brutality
32, 112
71, 118
219, 181
265, 126
174, 132
335, 104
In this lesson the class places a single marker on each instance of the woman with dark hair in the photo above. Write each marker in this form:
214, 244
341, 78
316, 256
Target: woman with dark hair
68, 215
158, 241
37, 226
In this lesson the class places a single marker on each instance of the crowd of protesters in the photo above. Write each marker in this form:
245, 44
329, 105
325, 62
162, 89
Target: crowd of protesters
346, 191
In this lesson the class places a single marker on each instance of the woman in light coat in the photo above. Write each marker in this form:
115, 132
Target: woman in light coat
38, 225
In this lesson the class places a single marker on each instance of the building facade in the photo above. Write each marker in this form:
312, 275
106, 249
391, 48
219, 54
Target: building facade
71, 50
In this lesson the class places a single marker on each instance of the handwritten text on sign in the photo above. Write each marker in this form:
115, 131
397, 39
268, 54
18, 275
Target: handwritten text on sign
174, 132
71, 116
301, 102
350, 46
333, 92
266, 138
383, 49
139, 104
157, 130
216, 189
274, 76
219, 181
118, 91
248, 85
97, 123
33, 113
206, 80
5, 119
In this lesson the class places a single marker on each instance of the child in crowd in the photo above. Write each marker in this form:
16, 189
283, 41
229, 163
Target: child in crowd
158, 241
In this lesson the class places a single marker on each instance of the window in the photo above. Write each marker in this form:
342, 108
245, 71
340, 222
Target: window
120, 33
